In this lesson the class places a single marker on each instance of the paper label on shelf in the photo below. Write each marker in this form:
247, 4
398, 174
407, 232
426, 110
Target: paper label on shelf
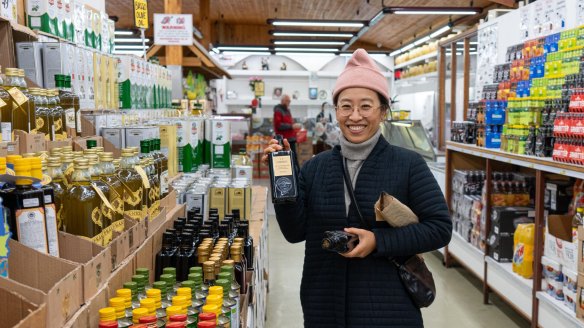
6, 128
52, 235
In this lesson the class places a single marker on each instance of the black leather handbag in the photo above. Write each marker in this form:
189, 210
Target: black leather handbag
414, 274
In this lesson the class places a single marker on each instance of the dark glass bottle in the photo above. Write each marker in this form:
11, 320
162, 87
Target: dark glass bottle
166, 256
339, 241
240, 268
25, 210
283, 180
185, 257
243, 232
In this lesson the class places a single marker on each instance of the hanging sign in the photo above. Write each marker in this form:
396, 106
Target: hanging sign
173, 30
141, 13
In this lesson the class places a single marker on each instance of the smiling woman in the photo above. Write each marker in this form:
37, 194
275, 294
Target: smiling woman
361, 288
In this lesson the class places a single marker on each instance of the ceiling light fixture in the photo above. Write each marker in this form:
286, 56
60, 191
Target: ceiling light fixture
131, 40
308, 49
441, 31
126, 46
395, 53
312, 34
258, 53
242, 48
422, 40
316, 23
215, 50
122, 32
309, 43
433, 10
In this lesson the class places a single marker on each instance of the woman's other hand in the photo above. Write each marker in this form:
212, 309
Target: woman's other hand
366, 245
273, 146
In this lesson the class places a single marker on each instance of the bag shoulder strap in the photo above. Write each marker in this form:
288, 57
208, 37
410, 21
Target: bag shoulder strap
352, 194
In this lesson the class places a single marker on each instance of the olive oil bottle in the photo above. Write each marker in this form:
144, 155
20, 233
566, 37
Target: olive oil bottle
58, 183
116, 196
69, 103
36, 171
67, 166
41, 123
57, 116
154, 188
25, 210
20, 100
158, 155
132, 183
81, 206
104, 192
5, 110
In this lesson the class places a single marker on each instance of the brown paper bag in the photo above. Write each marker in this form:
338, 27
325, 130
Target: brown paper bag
392, 211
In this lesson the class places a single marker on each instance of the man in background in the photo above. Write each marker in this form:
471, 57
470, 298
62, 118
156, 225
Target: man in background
284, 123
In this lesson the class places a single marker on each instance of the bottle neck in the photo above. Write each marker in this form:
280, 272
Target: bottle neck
107, 168
126, 163
55, 173
81, 175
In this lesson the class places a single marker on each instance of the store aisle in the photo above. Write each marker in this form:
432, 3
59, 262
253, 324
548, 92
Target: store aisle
459, 294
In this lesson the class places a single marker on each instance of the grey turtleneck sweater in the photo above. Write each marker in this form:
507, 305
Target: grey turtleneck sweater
356, 154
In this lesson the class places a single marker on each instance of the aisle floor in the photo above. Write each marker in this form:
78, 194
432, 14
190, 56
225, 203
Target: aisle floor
459, 302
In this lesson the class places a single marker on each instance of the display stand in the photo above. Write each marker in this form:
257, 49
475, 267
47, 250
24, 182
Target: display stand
524, 295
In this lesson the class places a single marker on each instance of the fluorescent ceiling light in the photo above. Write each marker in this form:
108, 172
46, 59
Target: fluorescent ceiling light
422, 40
316, 23
215, 50
396, 52
434, 12
408, 47
119, 32
313, 34
259, 53
125, 46
440, 31
308, 49
304, 54
235, 48
310, 43
131, 40
473, 53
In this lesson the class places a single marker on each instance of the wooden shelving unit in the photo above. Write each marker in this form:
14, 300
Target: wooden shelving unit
524, 295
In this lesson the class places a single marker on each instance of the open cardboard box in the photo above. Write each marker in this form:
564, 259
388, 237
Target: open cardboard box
96, 261
18, 312
30, 142
558, 241
42, 278
80, 143
126, 242
11, 33
59, 144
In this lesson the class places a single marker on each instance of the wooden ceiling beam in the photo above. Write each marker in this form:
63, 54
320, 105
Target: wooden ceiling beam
153, 51
507, 3
174, 54
205, 21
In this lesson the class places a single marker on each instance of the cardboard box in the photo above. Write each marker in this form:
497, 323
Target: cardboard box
59, 144
580, 249
504, 220
10, 34
58, 281
16, 311
126, 242
136, 134
240, 198
580, 297
558, 195
80, 143
53, 54
30, 142
501, 248
96, 261
558, 241
114, 139
218, 200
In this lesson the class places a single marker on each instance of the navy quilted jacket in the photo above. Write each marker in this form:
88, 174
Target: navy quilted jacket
339, 292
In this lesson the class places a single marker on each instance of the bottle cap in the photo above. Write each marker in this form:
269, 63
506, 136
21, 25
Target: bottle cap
108, 324
208, 316
215, 290
138, 313
188, 283
184, 291
178, 318
176, 325
117, 302
168, 279
126, 294
148, 319
107, 314
228, 263
148, 303
196, 269
225, 284
173, 310
131, 285
143, 271
169, 270
180, 301
161, 285
196, 277
154, 293
225, 275
215, 299
210, 308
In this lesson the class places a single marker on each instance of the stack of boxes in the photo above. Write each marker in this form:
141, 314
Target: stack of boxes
467, 204
255, 146
504, 220
143, 85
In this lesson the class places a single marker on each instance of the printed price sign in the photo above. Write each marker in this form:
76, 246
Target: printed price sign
141, 13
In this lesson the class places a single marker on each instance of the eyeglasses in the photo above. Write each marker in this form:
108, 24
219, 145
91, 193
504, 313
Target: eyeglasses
364, 110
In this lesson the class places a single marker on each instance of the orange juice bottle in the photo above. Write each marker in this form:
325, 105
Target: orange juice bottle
523, 250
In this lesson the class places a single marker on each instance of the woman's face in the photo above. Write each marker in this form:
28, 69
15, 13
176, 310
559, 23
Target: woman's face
360, 125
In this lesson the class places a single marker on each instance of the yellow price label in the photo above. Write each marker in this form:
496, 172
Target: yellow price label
141, 13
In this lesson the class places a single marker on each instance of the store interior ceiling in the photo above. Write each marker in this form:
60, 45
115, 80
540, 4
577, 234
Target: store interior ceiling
250, 22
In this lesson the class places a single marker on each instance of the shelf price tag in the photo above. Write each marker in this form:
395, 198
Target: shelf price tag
141, 13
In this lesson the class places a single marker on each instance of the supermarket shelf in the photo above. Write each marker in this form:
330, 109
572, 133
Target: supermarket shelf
417, 78
417, 60
273, 102
538, 163
510, 286
553, 313
467, 255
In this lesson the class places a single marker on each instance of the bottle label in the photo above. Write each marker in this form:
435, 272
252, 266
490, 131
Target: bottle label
282, 166
32, 231
6, 131
18, 97
78, 121
70, 118
2, 103
132, 198
52, 234
135, 215
39, 124
31, 202
164, 182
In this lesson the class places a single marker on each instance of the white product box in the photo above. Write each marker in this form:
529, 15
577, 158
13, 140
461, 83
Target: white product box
116, 136
8, 10
53, 63
136, 134
29, 57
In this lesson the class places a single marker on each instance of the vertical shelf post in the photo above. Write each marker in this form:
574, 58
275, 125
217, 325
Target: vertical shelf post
487, 211
539, 240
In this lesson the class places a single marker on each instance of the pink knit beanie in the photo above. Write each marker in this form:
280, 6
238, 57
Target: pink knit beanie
361, 72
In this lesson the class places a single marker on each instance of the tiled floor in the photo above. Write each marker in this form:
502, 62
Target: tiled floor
459, 301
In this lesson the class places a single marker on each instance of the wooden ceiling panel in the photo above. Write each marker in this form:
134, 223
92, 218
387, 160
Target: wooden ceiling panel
235, 14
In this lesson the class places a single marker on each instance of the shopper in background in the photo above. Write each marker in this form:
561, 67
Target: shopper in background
284, 123
322, 117
361, 288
